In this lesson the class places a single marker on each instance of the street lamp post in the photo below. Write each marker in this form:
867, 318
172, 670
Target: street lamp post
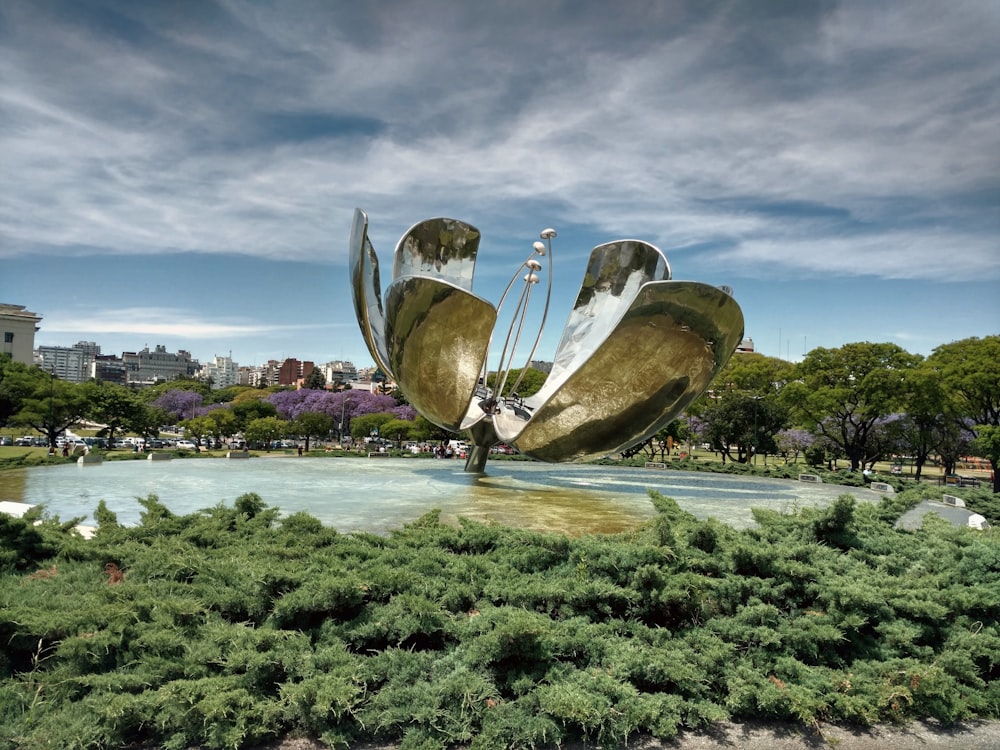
755, 400
52, 432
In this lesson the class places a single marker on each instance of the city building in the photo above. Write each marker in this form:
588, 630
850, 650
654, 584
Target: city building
108, 368
293, 372
745, 346
339, 372
150, 367
18, 327
72, 363
267, 374
247, 375
222, 372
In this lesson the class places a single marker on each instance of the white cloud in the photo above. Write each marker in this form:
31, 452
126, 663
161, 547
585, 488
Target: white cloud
166, 322
691, 129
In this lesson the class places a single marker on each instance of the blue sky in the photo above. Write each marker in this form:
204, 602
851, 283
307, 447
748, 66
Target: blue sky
185, 173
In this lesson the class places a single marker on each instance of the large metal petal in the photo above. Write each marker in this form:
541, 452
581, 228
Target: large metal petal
367, 290
665, 350
437, 335
440, 248
615, 274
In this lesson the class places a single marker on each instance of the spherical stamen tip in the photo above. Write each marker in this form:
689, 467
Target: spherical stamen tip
548, 234
534, 265
531, 278
539, 248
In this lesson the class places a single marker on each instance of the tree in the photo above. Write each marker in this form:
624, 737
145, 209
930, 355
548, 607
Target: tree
224, 422
794, 441
225, 395
265, 430
745, 422
987, 445
118, 408
316, 380
247, 410
179, 403
198, 427
740, 411
662, 442
312, 424
17, 382
398, 430
49, 405
368, 424
843, 393
182, 383
925, 427
753, 373
970, 373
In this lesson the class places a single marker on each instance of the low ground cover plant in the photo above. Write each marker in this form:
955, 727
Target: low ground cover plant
236, 625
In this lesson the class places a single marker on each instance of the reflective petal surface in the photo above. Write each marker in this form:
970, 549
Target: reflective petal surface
437, 336
615, 273
440, 248
367, 291
661, 355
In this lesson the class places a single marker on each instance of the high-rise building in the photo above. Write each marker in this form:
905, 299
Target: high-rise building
71, 363
222, 371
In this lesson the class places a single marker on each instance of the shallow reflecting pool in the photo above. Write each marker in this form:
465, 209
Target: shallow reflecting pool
381, 494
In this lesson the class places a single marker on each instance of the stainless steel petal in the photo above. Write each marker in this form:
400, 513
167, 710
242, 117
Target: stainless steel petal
615, 273
444, 249
367, 290
662, 353
437, 336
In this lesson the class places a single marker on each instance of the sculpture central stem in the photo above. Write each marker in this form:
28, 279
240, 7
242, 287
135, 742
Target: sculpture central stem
483, 434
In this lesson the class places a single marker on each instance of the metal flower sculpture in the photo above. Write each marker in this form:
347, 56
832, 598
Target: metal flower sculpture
636, 350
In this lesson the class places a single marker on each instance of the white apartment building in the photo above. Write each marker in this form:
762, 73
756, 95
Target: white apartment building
339, 371
222, 371
259, 376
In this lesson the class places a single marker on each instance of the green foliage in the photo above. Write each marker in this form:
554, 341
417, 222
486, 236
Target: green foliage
231, 626
364, 425
312, 424
265, 430
21, 544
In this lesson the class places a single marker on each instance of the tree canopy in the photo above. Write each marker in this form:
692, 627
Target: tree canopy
970, 375
843, 393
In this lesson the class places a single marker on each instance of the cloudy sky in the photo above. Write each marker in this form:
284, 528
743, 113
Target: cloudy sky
185, 173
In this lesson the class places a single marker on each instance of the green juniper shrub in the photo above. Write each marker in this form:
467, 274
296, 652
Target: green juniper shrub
22, 546
231, 626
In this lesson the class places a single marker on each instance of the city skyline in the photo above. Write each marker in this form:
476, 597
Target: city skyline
186, 176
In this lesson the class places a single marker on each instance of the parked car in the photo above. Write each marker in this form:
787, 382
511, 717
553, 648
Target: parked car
25, 440
186, 445
6, 440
